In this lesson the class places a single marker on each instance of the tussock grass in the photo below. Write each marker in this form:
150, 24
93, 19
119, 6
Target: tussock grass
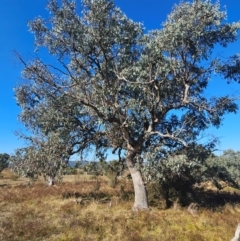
39, 212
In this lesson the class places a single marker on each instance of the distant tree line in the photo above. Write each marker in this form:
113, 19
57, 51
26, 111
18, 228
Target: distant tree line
4, 161
173, 178
179, 171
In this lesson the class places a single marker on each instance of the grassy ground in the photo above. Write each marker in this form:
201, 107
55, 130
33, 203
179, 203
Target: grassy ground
85, 209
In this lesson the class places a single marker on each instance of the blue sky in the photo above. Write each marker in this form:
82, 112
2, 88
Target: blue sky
14, 15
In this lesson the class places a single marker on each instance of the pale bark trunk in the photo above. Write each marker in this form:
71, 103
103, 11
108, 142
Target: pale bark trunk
141, 199
50, 181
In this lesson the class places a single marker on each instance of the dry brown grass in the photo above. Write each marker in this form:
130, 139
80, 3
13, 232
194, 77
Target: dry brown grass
39, 212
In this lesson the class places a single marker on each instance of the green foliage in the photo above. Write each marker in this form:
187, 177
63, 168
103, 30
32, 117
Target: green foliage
47, 157
70, 171
175, 178
23, 164
231, 160
114, 169
4, 161
226, 166
111, 169
115, 85
93, 168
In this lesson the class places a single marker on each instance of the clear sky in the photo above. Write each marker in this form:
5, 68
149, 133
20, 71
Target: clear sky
14, 15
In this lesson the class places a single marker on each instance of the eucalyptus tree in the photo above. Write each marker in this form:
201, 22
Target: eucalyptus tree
23, 165
177, 176
229, 160
114, 85
46, 157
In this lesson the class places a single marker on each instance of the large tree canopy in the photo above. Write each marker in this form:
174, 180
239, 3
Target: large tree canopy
115, 86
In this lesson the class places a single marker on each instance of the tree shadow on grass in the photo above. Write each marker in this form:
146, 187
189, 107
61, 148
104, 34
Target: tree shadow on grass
210, 199
215, 199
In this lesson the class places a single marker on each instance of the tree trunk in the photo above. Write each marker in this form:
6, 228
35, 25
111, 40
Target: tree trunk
50, 181
141, 199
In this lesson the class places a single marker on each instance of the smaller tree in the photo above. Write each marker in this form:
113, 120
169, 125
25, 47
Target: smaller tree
113, 169
227, 166
47, 157
23, 164
4, 161
93, 168
174, 178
